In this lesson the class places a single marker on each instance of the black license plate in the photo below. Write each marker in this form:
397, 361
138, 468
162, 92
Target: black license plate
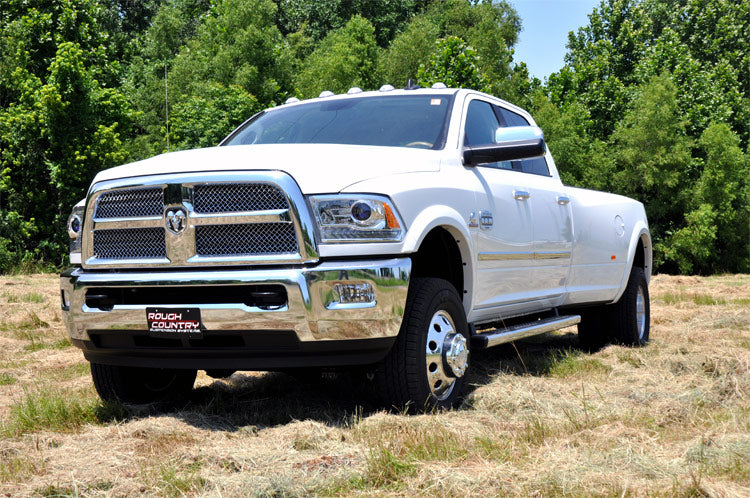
174, 322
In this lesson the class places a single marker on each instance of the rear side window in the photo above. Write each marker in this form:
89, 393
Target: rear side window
536, 166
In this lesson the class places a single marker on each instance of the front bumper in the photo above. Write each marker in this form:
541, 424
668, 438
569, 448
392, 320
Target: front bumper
311, 329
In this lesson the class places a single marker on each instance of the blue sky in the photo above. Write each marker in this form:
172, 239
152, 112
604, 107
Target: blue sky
546, 23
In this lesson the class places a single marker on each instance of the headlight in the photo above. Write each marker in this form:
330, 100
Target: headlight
356, 218
75, 231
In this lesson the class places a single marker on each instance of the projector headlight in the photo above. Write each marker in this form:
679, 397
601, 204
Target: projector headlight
75, 228
356, 218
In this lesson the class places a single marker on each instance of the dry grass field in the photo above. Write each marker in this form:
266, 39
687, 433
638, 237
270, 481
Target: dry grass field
543, 417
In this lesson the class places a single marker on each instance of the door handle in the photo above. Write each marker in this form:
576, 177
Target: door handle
563, 199
521, 195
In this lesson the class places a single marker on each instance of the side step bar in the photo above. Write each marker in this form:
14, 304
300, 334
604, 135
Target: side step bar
515, 332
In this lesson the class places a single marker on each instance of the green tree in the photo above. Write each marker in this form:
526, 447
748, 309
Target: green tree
346, 57
237, 44
54, 139
319, 17
716, 236
490, 28
204, 120
454, 63
652, 153
582, 160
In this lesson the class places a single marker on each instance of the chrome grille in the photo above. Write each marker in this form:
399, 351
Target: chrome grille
245, 239
130, 243
258, 218
241, 197
130, 203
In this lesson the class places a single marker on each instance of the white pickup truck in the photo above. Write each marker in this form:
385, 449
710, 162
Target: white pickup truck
399, 229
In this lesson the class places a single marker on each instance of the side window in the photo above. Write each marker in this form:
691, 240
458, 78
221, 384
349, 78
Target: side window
536, 166
481, 124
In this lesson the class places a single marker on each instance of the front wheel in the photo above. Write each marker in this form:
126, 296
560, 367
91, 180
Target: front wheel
426, 367
141, 385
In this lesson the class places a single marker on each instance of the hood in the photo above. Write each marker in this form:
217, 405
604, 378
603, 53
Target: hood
317, 168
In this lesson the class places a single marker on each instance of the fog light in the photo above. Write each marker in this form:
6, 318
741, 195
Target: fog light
361, 293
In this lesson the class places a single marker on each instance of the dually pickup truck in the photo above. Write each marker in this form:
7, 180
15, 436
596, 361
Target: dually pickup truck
394, 229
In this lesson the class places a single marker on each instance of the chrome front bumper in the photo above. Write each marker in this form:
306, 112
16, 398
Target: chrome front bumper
311, 313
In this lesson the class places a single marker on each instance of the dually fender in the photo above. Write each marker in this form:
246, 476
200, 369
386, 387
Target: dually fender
449, 219
639, 236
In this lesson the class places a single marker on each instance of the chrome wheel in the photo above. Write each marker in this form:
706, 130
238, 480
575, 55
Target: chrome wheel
640, 312
446, 355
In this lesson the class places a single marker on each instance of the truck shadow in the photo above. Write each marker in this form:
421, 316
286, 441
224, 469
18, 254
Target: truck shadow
252, 401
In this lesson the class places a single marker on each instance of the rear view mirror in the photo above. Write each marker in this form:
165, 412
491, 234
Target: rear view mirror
511, 143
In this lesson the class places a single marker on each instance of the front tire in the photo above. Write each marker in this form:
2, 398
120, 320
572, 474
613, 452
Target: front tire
136, 385
426, 367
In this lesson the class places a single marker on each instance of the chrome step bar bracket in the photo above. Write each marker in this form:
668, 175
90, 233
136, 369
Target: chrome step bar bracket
515, 332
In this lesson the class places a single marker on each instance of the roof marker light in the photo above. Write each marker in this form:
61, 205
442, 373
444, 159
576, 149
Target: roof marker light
325, 93
291, 100
353, 90
439, 86
386, 88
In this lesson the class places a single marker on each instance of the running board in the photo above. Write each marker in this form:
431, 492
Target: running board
515, 332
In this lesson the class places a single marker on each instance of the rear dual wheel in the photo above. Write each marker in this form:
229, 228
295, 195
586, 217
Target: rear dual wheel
426, 367
626, 322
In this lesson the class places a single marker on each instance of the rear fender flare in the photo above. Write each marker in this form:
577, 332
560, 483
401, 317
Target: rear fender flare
640, 236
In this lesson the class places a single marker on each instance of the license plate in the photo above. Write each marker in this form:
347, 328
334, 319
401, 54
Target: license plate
174, 322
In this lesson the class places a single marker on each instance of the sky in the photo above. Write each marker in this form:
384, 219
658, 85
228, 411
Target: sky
545, 26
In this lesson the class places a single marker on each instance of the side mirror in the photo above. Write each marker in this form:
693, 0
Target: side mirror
511, 143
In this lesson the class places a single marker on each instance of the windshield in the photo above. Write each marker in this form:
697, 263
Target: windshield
392, 121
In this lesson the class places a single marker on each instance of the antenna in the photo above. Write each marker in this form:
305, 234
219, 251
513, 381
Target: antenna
411, 85
166, 102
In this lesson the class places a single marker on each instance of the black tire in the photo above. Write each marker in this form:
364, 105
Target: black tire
618, 322
631, 316
593, 330
141, 385
407, 380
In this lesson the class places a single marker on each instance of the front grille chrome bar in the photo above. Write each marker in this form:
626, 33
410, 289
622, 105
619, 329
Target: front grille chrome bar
254, 217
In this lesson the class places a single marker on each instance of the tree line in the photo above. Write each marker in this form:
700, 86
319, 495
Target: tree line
652, 101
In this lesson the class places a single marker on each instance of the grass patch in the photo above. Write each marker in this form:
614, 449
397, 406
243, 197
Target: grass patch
15, 467
21, 329
383, 470
57, 411
672, 298
7, 379
179, 482
36, 346
569, 363
30, 297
